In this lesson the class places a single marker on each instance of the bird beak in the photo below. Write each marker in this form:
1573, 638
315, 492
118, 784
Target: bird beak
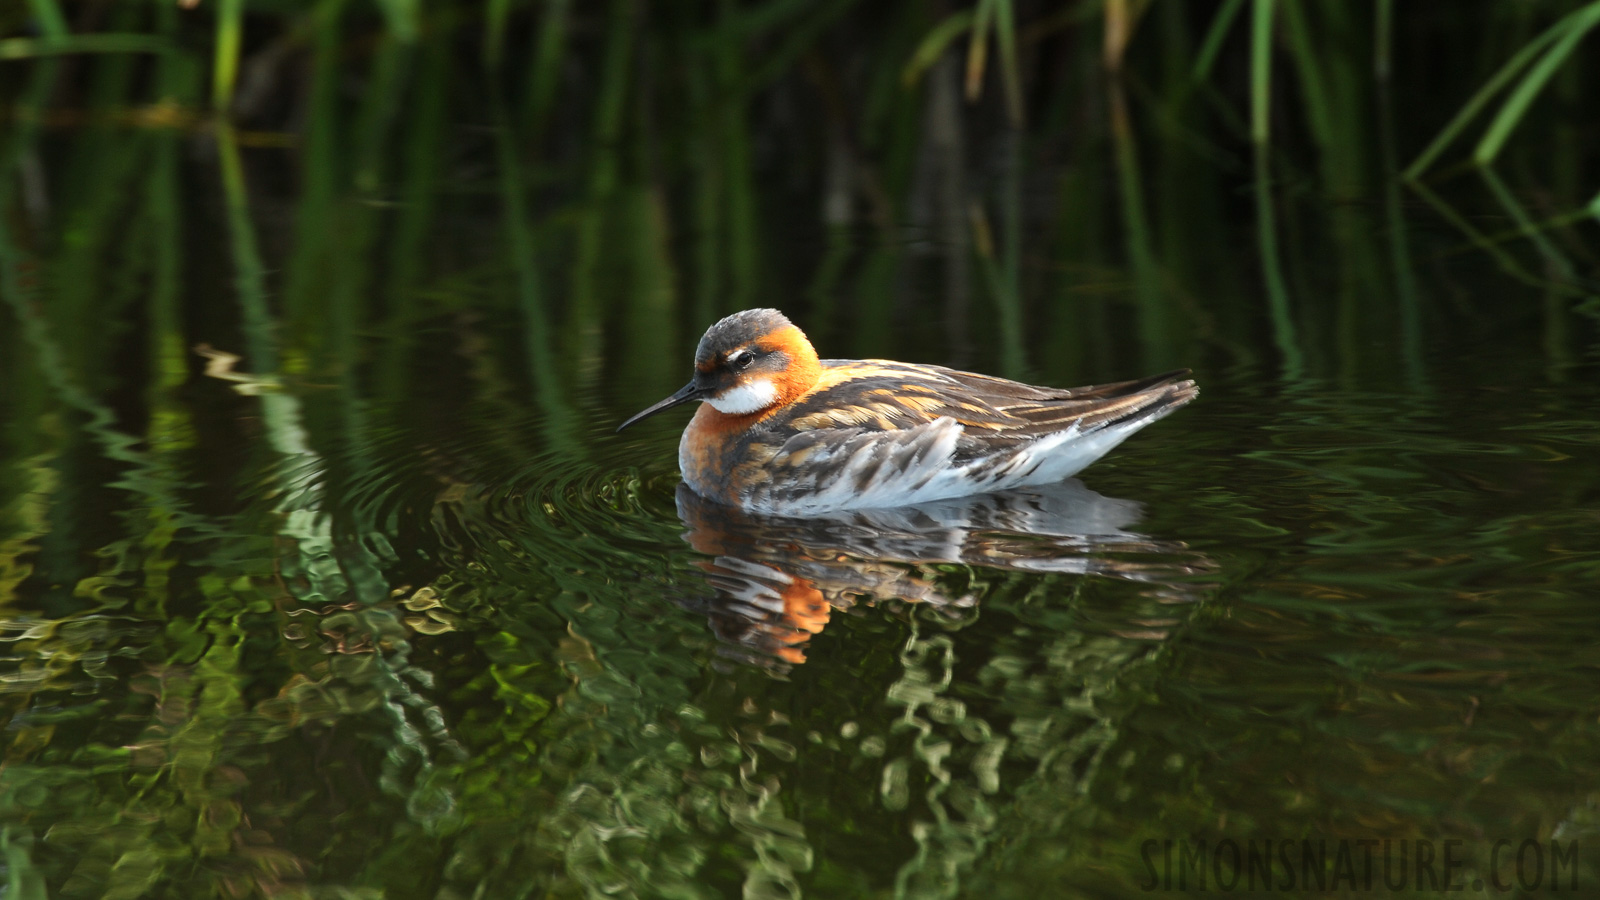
690, 391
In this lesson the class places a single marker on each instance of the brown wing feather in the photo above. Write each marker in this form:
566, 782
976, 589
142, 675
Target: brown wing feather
877, 395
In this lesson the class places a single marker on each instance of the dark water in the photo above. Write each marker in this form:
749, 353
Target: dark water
429, 656
382, 608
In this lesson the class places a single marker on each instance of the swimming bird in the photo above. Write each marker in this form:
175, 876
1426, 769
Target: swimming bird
781, 431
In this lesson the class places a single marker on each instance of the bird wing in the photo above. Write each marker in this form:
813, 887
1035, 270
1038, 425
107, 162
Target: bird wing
883, 396
885, 434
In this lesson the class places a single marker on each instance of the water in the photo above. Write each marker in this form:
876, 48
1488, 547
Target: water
322, 573
434, 659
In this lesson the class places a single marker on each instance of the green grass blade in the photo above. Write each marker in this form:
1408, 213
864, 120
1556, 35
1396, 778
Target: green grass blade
1261, 70
1400, 260
1490, 88
874, 291
495, 18
1011, 327
978, 48
1314, 90
1215, 35
1511, 112
706, 194
934, 44
381, 106
1283, 326
545, 69
1383, 40
737, 166
225, 65
403, 18
30, 48
582, 347
316, 210
51, 21
824, 288
1121, 17
611, 103
1154, 318
1005, 32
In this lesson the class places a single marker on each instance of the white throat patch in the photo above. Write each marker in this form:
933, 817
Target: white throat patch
746, 398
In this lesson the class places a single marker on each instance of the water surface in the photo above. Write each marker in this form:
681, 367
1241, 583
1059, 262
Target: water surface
434, 656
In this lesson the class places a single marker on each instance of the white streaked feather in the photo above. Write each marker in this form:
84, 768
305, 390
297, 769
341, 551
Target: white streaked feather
744, 399
901, 479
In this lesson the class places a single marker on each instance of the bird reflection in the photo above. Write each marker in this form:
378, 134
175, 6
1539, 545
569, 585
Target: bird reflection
777, 581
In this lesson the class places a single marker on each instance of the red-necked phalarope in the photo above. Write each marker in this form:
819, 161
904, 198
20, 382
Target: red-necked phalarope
782, 431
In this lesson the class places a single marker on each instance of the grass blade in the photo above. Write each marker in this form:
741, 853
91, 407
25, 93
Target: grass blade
1283, 326
1577, 26
1154, 318
1261, 70
225, 65
545, 68
30, 48
1121, 20
51, 22
933, 45
978, 48
1005, 32
1383, 40
1493, 86
495, 18
1215, 35
1400, 260
403, 18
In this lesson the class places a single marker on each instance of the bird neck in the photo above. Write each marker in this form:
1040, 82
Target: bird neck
804, 368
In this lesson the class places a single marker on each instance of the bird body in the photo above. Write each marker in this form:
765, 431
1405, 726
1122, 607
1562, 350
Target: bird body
781, 431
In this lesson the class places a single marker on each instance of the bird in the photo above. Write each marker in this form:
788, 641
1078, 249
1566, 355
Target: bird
780, 431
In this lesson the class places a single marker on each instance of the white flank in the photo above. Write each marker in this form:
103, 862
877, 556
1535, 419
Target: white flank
746, 398
933, 476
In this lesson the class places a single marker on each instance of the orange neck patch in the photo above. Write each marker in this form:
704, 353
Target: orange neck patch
804, 367
792, 383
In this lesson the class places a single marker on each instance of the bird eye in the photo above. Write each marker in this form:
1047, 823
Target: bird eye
741, 359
